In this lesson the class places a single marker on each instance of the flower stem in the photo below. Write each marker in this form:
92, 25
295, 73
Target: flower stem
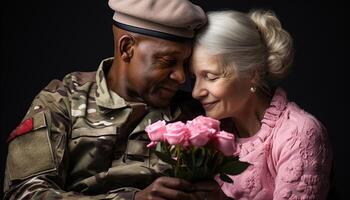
177, 155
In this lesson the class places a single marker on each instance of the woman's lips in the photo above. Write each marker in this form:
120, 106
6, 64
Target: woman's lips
208, 105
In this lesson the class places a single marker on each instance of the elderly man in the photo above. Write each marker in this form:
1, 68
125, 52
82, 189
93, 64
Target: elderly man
83, 137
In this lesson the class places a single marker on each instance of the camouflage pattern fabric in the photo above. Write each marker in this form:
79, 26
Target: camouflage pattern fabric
80, 140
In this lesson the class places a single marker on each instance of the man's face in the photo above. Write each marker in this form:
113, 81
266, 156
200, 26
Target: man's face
156, 70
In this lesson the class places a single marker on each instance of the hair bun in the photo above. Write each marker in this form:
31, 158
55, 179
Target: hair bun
279, 43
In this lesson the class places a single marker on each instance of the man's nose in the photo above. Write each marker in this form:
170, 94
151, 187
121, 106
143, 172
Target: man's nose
178, 74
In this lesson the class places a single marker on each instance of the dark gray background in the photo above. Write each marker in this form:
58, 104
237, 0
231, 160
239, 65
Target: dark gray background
42, 40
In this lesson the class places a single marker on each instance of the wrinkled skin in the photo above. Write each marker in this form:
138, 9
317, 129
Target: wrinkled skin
148, 69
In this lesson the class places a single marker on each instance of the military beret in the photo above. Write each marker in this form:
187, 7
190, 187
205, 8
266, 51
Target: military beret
167, 19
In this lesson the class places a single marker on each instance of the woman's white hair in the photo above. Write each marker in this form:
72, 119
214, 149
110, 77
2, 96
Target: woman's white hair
248, 43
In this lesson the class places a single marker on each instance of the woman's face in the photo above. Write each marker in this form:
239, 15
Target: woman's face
221, 96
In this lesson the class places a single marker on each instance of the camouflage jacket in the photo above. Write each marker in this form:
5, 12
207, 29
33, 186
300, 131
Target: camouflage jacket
80, 140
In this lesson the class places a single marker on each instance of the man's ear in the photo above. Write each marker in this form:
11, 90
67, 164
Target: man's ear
126, 47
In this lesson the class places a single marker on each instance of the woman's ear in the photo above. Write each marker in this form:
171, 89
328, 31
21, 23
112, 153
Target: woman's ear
126, 47
255, 77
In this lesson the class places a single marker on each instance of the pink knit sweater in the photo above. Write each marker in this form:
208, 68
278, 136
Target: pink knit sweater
290, 157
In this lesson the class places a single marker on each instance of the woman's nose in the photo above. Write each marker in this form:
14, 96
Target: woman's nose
199, 91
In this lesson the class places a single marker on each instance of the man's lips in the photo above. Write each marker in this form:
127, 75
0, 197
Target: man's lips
168, 92
170, 89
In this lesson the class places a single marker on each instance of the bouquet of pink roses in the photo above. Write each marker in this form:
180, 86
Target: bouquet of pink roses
195, 151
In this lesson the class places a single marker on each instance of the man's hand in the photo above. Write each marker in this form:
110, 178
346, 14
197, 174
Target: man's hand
167, 188
208, 190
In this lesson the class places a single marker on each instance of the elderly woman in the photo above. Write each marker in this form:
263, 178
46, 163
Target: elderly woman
238, 60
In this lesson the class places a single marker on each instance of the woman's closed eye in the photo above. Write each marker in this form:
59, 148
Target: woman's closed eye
211, 77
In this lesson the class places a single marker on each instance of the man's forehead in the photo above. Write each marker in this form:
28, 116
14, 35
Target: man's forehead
163, 46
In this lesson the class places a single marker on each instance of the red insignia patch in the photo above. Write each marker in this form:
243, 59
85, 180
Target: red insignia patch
23, 128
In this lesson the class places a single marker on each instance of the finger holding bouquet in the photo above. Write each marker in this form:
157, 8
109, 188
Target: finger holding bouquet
195, 153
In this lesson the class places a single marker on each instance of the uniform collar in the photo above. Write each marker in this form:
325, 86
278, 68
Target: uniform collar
105, 98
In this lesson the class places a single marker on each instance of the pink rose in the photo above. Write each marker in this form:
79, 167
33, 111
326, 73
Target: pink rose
225, 142
207, 121
202, 129
156, 132
200, 134
177, 133
199, 140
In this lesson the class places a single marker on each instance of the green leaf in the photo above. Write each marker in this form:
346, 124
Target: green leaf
165, 157
230, 159
200, 174
226, 178
217, 161
199, 155
233, 167
169, 172
183, 173
186, 158
165, 148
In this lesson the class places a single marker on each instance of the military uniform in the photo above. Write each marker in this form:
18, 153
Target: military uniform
80, 140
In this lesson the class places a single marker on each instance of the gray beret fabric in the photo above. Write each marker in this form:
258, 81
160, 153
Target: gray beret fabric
172, 17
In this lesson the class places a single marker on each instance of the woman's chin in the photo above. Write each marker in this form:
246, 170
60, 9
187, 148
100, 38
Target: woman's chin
212, 115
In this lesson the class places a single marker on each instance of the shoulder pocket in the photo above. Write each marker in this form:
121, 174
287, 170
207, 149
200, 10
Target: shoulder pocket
30, 154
